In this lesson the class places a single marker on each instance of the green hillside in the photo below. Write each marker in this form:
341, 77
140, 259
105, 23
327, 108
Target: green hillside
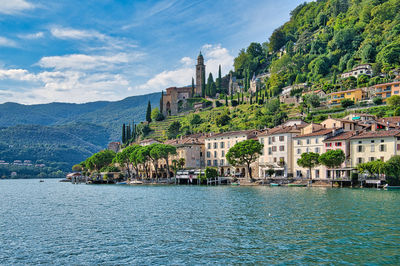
325, 38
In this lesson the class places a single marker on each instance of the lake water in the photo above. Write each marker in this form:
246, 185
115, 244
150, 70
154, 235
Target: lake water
61, 223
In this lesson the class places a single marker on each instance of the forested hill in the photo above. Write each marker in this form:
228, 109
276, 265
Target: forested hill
61, 134
325, 38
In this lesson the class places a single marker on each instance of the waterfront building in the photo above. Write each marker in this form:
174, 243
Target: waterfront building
218, 145
191, 149
278, 150
374, 145
340, 142
355, 95
311, 139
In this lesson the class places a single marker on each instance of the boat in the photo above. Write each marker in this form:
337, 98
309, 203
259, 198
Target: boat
274, 184
41, 181
121, 183
235, 184
135, 182
387, 187
297, 185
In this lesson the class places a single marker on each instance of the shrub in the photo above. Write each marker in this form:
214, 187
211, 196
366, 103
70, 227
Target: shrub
234, 103
377, 100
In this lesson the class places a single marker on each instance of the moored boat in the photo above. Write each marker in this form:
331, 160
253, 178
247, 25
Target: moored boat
297, 185
387, 187
274, 185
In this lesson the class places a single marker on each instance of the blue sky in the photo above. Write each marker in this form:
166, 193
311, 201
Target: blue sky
87, 50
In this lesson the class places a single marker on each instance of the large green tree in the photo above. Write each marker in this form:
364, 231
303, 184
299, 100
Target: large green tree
99, 160
392, 170
123, 158
309, 160
332, 158
244, 153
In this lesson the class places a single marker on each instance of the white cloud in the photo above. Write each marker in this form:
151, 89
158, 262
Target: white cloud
32, 36
67, 86
7, 42
214, 56
85, 62
68, 33
10, 7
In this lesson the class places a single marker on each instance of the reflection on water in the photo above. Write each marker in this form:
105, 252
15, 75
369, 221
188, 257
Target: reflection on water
61, 223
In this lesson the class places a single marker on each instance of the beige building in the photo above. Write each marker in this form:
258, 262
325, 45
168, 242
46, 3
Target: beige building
374, 145
278, 150
191, 149
218, 145
311, 139
346, 124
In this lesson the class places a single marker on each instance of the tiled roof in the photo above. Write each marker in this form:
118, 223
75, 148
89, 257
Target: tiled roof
336, 92
282, 130
248, 133
342, 136
320, 132
393, 119
377, 134
185, 141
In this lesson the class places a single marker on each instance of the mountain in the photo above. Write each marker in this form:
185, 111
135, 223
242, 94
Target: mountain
63, 134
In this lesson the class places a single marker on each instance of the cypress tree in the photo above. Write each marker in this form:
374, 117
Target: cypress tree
123, 134
161, 101
128, 133
192, 88
148, 112
211, 89
135, 132
203, 84
226, 100
219, 80
242, 97
251, 98
256, 95
232, 96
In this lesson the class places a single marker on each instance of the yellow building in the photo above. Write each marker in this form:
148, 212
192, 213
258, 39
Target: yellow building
387, 89
355, 95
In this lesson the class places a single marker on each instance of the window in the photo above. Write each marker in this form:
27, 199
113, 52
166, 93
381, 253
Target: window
223, 153
298, 142
360, 142
359, 160
201, 154
382, 158
273, 148
222, 145
316, 140
359, 148
273, 139
317, 150
382, 140
307, 149
338, 144
262, 140
281, 138
372, 141
317, 173
269, 151
209, 145
229, 144
371, 159
215, 145
215, 162
269, 140
208, 162
382, 147
299, 151
308, 141
328, 144
398, 147
208, 154
372, 148
222, 162
215, 153
281, 148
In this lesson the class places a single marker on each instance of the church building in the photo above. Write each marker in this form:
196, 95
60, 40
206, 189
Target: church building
175, 99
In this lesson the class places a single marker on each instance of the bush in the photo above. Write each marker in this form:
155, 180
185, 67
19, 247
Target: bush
347, 103
377, 100
218, 104
234, 103
223, 120
354, 177
397, 111
211, 172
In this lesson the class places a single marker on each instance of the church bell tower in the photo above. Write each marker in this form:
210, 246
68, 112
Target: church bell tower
200, 75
